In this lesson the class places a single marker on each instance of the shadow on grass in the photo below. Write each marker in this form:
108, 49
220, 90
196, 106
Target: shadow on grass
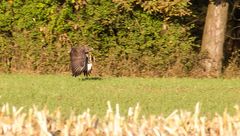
90, 78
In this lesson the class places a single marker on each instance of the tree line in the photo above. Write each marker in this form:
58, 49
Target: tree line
129, 38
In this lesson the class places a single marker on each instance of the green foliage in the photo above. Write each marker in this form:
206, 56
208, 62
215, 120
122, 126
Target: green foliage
129, 37
166, 8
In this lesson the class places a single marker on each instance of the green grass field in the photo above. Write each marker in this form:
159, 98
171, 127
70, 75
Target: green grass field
155, 95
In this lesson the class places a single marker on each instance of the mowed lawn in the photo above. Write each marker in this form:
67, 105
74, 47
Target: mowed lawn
155, 95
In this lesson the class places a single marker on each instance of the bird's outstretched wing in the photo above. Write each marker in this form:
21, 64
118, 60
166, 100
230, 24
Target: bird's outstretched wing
78, 58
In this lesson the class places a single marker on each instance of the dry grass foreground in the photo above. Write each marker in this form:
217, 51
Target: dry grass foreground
37, 122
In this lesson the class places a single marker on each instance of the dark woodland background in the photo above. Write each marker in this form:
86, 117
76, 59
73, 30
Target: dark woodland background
129, 37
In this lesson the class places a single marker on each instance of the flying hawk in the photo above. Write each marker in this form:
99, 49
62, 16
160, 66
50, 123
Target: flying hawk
81, 61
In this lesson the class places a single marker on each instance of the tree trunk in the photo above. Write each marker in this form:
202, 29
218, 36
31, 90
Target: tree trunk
214, 37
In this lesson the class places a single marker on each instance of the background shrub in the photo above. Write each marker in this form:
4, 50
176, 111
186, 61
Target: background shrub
130, 38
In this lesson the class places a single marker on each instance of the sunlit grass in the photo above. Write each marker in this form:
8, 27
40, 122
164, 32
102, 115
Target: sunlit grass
155, 95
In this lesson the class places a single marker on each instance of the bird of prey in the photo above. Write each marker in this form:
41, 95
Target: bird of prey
81, 61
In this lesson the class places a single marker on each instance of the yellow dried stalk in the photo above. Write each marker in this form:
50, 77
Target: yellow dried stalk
37, 122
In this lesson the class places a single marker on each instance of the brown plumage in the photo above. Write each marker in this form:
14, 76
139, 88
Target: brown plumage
81, 61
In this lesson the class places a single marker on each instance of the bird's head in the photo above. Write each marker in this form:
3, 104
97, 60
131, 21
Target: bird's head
88, 50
